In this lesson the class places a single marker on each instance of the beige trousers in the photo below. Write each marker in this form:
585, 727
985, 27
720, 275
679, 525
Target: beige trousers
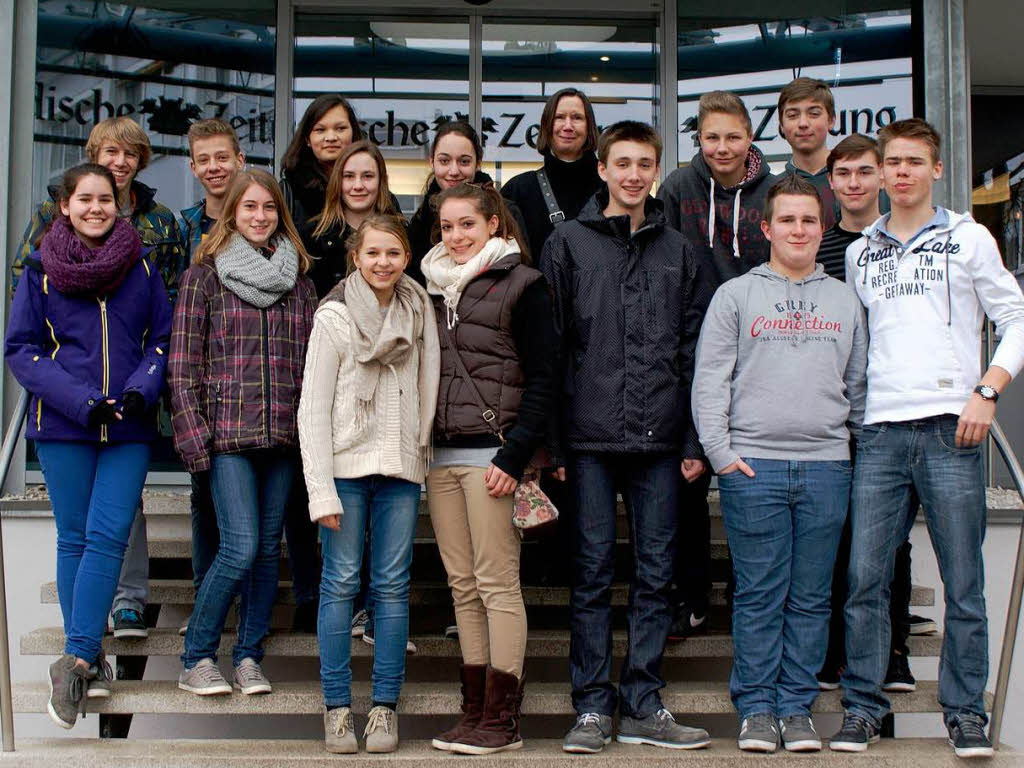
480, 550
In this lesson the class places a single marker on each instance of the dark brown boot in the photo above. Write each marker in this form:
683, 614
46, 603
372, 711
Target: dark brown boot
499, 727
474, 677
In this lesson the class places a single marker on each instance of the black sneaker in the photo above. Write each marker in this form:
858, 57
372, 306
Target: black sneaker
919, 625
967, 736
855, 735
687, 623
898, 678
129, 623
451, 632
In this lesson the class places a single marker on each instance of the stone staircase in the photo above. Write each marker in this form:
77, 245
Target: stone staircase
697, 670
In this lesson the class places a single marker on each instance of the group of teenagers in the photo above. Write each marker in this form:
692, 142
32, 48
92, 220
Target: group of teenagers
324, 359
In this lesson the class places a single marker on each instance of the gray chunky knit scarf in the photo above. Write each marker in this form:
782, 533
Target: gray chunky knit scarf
253, 278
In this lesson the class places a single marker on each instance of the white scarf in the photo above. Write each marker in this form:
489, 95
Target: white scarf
448, 279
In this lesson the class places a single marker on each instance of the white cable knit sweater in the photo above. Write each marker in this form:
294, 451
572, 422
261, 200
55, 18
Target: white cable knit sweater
332, 445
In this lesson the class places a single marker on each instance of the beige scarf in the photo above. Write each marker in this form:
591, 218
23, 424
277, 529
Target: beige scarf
380, 340
448, 279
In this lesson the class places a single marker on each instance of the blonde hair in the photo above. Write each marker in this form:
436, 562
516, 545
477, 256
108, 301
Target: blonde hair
123, 130
392, 225
725, 102
226, 225
334, 202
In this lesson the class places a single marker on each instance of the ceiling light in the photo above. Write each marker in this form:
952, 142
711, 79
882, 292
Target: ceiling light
606, 58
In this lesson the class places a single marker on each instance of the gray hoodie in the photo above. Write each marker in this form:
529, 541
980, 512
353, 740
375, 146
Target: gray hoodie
780, 369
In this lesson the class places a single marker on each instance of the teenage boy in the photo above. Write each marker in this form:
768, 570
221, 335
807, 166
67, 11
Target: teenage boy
628, 303
855, 175
214, 157
121, 146
927, 277
807, 112
783, 471
716, 203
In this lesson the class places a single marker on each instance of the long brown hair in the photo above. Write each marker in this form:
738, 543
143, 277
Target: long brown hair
334, 203
226, 225
488, 202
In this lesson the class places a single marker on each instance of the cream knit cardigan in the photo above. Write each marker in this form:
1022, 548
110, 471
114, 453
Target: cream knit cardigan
330, 442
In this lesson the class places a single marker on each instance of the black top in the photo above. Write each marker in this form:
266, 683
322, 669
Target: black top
832, 253
573, 184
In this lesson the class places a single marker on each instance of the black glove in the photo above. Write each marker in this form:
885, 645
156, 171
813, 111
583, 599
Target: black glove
133, 405
102, 413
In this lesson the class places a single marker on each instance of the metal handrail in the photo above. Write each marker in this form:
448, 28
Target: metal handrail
6, 700
1013, 610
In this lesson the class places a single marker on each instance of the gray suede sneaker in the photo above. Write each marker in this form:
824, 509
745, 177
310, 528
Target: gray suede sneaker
798, 734
204, 679
339, 737
99, 686
591, 732
249, 677
660, 729
68, 683
381, 734
759, 732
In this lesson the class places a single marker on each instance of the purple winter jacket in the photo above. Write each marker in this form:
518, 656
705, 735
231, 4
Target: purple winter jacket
71, 352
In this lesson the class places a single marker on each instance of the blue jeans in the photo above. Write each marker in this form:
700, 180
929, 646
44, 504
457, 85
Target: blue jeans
894, 458
390, 507
783, 526
95, 489
205, 535
650, 485
249, 494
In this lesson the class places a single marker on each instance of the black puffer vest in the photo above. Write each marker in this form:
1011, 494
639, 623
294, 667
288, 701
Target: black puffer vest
483, 335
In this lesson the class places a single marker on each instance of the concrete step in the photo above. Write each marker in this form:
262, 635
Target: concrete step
306, 698
49, 641
177, 546
295, 753
181, 592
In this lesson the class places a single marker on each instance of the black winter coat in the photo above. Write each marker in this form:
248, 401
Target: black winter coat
573, 185
421, 227
628, 311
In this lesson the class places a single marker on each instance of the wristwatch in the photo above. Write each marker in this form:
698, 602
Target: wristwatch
987, 392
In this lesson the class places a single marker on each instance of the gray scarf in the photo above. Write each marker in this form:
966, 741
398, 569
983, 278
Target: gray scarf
380, 341
254, 279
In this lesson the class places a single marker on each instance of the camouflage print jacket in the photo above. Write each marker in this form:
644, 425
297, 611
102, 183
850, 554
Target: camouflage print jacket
192, 229
154, 222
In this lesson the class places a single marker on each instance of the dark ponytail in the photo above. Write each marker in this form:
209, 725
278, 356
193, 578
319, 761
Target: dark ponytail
488, 202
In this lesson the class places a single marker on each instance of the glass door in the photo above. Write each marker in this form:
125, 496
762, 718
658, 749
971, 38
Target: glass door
404, 76
526, 60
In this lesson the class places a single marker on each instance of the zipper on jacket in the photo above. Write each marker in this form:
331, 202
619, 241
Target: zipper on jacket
106, 360
265, 363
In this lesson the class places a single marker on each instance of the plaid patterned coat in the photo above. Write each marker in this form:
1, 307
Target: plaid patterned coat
235, 370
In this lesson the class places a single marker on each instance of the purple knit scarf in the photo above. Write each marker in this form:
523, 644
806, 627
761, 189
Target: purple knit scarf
75, 268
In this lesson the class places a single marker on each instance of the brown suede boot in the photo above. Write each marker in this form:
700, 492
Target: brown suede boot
474, 677
499, 727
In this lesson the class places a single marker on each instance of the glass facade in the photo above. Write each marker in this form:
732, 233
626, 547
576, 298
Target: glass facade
165, 68
866, 58
168, 63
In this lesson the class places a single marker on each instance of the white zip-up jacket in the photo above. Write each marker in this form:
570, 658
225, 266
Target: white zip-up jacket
926, 303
